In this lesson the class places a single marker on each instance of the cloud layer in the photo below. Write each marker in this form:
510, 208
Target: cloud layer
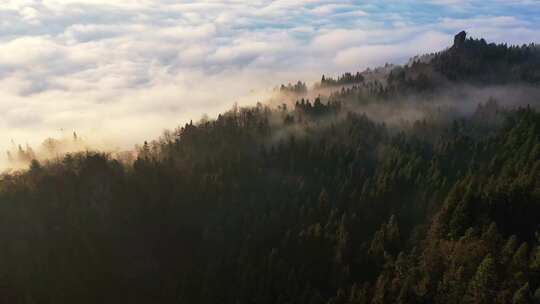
127, 69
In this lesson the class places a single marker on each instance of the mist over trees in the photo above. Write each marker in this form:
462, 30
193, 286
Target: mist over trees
329, 199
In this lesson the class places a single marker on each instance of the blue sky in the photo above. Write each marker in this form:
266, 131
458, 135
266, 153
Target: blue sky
130, 68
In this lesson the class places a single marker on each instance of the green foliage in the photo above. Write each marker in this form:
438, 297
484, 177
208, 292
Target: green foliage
483, 285
522, 295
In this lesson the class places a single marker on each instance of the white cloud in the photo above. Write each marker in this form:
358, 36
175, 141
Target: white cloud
365, 56
130, 68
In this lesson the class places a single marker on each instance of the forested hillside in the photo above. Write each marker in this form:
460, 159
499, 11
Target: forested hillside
418, 185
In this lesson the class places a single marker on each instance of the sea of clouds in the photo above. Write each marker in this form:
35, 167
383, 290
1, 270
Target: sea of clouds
122, 71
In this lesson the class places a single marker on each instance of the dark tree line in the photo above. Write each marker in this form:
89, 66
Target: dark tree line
345, 79
476, 61
297, 88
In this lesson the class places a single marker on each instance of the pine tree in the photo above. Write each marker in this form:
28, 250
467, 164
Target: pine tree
483, 285
535, 259
522, 295
508, 249
521, 258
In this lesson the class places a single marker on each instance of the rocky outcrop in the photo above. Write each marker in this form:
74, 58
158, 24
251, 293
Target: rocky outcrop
459, 39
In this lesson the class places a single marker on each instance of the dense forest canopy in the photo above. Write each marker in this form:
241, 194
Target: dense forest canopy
420, 184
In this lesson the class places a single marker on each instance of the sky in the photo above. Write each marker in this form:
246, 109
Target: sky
125, 70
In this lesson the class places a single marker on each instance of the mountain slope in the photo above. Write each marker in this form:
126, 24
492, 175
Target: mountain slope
406, 189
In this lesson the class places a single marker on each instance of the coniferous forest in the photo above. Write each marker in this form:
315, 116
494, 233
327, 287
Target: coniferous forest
405, 184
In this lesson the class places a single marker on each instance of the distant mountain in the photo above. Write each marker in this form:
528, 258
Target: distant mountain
468, 60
